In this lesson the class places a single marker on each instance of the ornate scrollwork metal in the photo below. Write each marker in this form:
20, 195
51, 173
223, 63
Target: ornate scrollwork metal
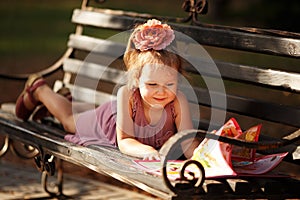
45, 163
194, 8
184, 184
196, 181
187, 183
22, 150
56, 188
5, 146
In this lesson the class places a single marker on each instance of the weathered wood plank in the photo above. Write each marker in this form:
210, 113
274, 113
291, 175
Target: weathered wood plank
87, 95
207, 36
96, 45
277, 79
243, 73
246, 106
94, 71
240, 186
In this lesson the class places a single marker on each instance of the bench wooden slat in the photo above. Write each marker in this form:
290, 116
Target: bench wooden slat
246, 106
98, 19
283, 46
91, 44
88, 95
240, 186
250, 74
95, 71
246, 41
268, 77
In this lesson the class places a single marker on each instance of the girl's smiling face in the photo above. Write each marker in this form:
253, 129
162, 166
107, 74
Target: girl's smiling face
158, 85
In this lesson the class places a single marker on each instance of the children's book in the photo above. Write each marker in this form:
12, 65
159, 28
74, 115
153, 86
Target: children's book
222, 159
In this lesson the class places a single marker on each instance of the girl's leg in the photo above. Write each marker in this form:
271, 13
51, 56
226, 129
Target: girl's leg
59, 106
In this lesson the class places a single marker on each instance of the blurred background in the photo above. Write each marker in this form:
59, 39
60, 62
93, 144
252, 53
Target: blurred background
34, 33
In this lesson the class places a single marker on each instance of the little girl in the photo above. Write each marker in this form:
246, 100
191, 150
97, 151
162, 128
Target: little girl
149, 108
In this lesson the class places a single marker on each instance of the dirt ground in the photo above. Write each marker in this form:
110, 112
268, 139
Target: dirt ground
74, 170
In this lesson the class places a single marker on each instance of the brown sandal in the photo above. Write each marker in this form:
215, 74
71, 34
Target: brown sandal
34, 81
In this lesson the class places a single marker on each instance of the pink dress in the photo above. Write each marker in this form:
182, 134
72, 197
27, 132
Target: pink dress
98, 126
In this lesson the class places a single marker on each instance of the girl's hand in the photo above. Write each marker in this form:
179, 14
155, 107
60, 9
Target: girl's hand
152, 156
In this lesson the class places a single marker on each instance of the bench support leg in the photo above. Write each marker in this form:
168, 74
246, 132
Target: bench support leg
5, 146
58, 190
49, 165
44, 162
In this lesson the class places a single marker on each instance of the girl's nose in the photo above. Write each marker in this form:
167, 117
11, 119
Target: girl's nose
161, 89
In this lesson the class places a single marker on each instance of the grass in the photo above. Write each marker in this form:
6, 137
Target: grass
35, 32
29, 27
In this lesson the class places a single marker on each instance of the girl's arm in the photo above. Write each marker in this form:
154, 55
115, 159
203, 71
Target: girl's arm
184, 122
125, 129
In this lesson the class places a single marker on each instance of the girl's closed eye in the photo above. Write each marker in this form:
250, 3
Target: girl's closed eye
170, 84
152, 84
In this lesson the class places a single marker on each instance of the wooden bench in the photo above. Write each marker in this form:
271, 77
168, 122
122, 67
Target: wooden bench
221, 89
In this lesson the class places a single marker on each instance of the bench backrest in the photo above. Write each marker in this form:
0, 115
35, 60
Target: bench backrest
266, 94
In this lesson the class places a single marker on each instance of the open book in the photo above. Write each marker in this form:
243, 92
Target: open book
222, 159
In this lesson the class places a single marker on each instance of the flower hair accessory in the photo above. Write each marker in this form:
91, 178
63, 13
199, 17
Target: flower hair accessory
153, 35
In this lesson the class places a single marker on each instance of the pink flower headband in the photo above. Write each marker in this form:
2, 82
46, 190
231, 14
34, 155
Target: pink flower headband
153, 35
